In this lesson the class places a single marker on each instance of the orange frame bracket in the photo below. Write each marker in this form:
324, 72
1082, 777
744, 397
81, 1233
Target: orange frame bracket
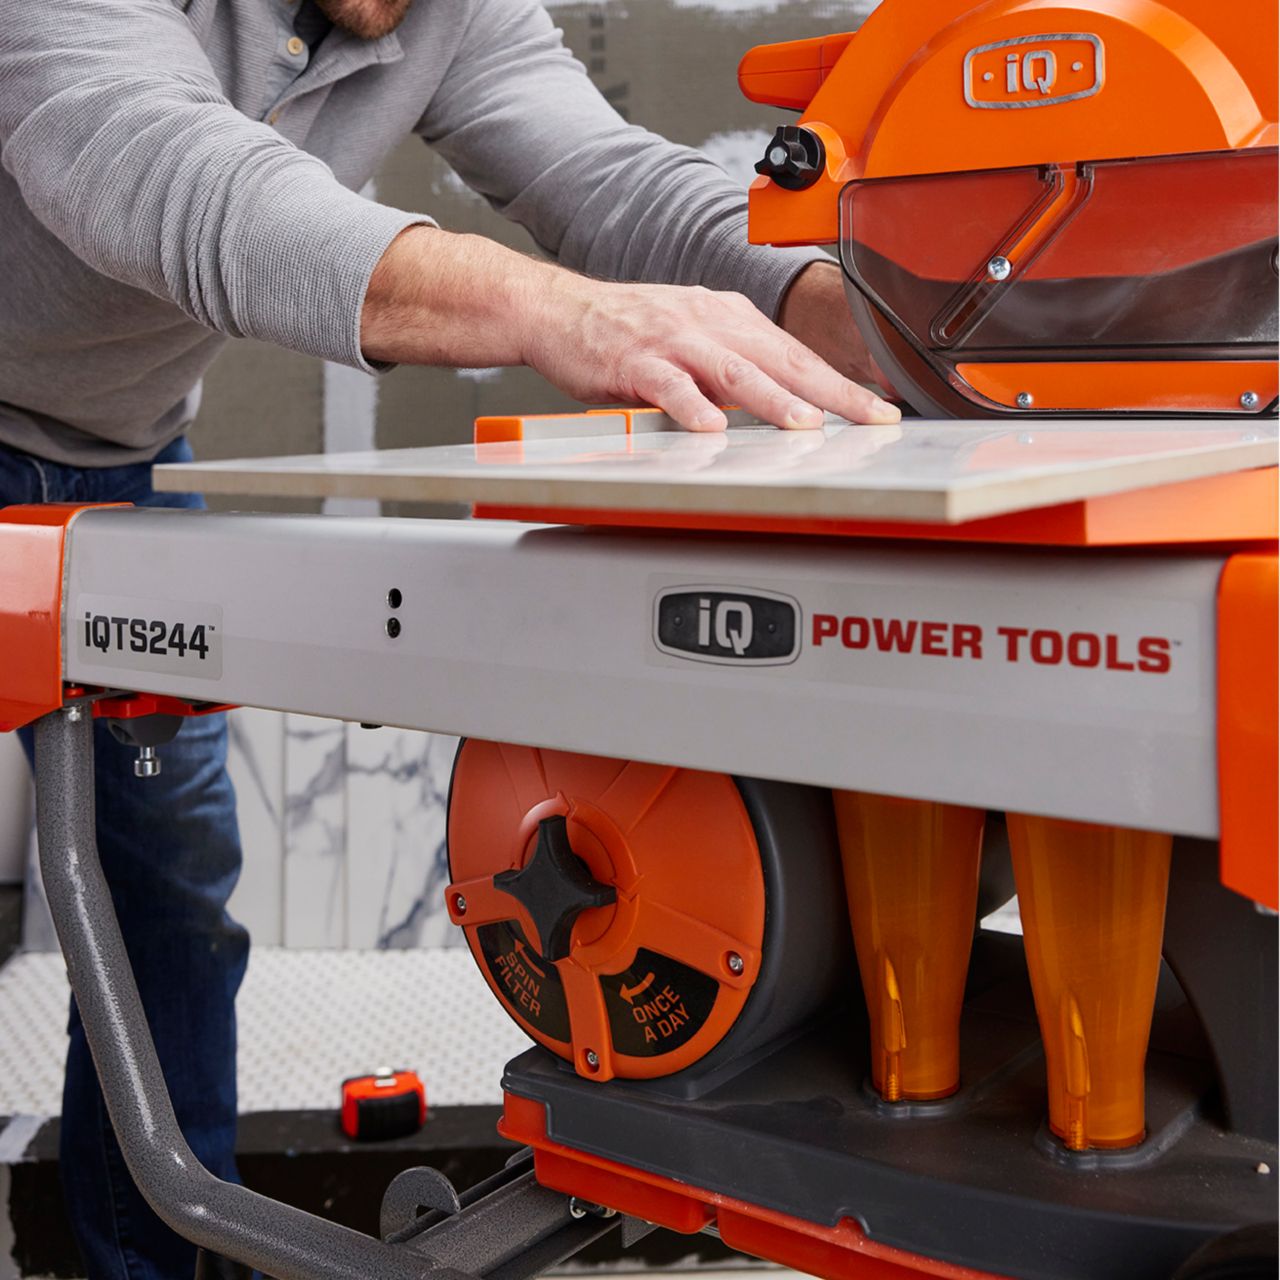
1248, 712
32, 539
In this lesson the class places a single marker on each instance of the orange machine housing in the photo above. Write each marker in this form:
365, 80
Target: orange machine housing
889, 100
1041, 207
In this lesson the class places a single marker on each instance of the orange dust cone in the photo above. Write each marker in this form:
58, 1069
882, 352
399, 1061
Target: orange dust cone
911, 874
1092, 900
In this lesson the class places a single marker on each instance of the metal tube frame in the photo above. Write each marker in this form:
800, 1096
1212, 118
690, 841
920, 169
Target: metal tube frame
274, 1238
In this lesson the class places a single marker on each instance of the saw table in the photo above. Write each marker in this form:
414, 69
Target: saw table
629, 695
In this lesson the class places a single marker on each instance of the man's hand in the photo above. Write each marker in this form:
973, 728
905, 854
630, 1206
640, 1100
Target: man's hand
439, 298
815, 311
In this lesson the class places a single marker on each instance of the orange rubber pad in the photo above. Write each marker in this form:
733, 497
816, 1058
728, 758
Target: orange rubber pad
653, 981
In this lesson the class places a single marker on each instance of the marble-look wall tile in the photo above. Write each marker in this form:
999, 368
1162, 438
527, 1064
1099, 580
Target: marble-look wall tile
15, 808
397, 787
315, 832
37, 924
255, 760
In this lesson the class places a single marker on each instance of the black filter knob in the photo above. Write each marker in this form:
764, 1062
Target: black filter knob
555, 887
794, 157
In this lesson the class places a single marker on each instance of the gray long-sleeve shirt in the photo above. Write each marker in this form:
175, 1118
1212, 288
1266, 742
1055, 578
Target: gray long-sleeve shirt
176, 173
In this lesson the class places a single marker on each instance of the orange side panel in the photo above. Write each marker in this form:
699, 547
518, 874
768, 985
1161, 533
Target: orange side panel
31, 545
1236, 508
1248, 710
842, 1252
1210, 386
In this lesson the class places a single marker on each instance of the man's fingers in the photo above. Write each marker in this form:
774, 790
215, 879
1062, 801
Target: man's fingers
807, 374
674, 392
736, 379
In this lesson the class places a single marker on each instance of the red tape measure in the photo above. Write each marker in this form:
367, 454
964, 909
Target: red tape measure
386, 1104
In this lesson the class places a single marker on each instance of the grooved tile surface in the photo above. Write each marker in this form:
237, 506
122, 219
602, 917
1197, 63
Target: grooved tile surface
308, 1019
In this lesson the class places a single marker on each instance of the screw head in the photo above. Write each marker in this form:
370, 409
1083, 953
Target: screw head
459, 905
1025, 399
999, 268
147, 763
1249, 400
735, 963
393, 627
72, 713
592, 1059
1262, 1167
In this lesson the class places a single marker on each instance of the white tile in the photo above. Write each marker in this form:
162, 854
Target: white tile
315, 832
397, 787
37, 924
255, 761
15, 808
932, 470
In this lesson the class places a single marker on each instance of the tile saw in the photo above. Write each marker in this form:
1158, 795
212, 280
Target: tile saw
756, 729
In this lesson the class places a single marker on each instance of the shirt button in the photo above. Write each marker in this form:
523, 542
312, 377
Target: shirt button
295, 46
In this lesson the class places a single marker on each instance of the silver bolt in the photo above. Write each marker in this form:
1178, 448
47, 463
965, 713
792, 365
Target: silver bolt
584, 1208
73, 713
999, 268
777, 156
735, 962
147, 765
1249, 400
592, 1059
459, 905
1025, 399
1262, 1167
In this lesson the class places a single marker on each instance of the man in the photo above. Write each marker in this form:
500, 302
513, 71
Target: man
178, 172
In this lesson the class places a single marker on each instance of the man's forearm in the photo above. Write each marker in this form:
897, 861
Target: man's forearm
456, 300
440, 298
815, 310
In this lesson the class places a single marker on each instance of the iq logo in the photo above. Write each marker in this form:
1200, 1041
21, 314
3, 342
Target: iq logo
715, 624
1033, 71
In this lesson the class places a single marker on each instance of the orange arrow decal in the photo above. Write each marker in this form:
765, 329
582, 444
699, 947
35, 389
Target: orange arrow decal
528, 959
629, 993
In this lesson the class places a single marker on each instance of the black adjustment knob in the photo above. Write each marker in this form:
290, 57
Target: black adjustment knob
794, 157
555, 887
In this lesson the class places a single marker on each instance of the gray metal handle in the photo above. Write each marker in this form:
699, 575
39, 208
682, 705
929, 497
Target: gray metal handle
274, 1238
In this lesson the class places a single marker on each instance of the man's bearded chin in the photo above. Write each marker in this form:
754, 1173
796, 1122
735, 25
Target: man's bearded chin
368, 19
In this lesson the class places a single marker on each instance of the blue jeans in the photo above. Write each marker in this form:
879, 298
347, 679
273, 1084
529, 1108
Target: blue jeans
170, 847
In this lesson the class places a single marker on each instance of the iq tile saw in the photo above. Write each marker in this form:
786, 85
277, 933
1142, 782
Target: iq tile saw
756, 729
